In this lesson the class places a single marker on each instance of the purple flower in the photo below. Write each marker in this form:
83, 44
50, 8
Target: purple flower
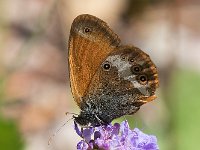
117, 137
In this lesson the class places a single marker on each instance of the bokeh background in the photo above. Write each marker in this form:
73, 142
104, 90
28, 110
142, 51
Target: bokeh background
34, 80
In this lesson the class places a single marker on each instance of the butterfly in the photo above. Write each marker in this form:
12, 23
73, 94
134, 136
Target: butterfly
108, 79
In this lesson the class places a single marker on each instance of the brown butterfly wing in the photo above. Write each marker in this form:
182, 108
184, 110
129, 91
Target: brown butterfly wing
90, 41
125, 80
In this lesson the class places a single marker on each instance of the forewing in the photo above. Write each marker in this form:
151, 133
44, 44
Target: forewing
90, 41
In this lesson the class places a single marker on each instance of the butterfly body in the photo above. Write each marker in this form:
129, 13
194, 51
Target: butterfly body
108, 80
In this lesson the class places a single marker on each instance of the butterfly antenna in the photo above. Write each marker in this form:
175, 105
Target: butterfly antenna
57, 131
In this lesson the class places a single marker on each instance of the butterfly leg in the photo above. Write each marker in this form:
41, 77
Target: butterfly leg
99, 120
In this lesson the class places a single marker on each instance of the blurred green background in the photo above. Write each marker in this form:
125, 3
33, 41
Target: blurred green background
34, 81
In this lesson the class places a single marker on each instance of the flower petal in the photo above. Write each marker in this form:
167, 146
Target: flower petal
78, 131
87, 133
82, 145
118, 137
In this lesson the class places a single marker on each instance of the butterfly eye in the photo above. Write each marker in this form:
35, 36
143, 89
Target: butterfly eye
136, 69
142, 79
87, 30
106, 66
